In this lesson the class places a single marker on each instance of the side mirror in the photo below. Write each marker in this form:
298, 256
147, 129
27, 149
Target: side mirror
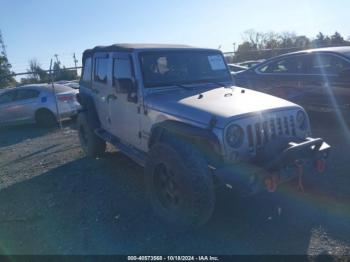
345, 74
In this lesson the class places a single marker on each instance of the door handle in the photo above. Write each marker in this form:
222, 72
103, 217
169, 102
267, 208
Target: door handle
95, 91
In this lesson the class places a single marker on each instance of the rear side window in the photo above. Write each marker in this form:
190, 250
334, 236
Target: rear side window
87, 70
27, 94
327, 64
7, 97
290, 65
101, 69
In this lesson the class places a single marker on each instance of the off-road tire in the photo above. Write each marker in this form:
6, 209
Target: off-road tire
193, 181
45, 118
92, 145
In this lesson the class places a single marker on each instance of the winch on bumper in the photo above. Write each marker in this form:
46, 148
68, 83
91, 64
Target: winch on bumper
271, 168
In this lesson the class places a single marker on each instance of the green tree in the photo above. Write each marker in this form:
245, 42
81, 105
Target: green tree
37, 73
6, 75
337, 39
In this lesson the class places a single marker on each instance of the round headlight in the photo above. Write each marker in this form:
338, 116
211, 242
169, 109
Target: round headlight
301, 120
234, 135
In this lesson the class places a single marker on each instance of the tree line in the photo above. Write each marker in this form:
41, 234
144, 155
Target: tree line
263, 45
38, 75
255, 45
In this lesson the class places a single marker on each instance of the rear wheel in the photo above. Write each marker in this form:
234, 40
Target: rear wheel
92, 145
179, 183
45, 118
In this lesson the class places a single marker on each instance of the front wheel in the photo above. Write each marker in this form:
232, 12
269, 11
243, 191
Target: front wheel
91, 144
180, 185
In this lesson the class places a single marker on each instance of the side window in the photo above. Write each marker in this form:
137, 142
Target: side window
327, 64
122, 68
101, 69
27, 94
7, 97
87, 70
290, 65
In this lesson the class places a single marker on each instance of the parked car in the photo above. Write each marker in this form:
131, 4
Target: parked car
36, 103
234, 68
251, 63
173, 109
72, 84
318, 79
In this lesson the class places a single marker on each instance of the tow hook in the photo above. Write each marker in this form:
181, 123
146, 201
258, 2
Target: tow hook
300, 171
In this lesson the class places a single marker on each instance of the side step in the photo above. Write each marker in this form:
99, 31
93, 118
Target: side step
138, 156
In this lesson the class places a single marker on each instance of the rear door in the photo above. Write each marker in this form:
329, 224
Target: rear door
123, 107
101, 87
282, 77
8, 109
27, 103
327, 91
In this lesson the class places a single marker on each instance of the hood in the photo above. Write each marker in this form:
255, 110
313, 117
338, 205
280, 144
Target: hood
225, 104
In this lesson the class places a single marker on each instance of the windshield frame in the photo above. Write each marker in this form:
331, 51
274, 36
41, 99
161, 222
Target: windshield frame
175, 83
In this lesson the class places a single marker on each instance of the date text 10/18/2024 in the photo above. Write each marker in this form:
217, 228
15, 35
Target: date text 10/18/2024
173, 258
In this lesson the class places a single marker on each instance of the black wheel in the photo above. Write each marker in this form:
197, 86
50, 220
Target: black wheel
180, 185
45, 118
92, 145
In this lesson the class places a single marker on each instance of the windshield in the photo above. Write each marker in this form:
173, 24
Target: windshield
168, 68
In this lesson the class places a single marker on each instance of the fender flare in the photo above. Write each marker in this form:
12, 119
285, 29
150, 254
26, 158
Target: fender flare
89, 108
201, 137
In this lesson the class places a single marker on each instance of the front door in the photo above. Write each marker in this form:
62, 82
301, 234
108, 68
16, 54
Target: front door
8, 109
327, 91
124, 106
282, 77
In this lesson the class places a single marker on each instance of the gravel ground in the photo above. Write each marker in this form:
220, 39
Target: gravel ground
53, 200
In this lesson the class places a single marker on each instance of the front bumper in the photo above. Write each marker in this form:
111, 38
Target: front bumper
307, 158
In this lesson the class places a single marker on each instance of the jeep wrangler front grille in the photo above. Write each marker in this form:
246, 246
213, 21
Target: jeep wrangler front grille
262, 132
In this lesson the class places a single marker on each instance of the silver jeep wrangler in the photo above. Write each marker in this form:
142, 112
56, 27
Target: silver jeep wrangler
174, 110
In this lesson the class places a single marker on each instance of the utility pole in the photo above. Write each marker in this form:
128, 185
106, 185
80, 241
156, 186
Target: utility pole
55, 96
75, 63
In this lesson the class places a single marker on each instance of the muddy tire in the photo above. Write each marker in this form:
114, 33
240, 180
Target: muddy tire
179, 184
45, 118
91, 144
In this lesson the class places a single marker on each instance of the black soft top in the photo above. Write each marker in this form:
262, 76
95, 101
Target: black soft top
132, 47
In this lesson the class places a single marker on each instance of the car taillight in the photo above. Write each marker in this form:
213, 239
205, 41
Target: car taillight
66, 98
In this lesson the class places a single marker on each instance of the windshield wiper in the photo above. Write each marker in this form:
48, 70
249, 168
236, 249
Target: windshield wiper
220, 84
182, 86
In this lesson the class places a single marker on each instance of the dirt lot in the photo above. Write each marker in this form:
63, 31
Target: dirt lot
53, 200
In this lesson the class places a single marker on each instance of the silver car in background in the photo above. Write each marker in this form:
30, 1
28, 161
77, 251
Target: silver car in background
36, 104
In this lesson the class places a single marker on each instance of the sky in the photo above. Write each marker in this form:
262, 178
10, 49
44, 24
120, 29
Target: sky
41, 28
